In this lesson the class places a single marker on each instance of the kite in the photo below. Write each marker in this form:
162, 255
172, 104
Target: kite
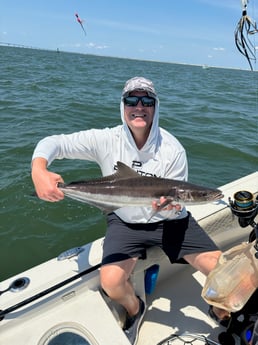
80, 22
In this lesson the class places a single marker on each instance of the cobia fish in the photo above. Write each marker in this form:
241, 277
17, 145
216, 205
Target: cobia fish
127, 188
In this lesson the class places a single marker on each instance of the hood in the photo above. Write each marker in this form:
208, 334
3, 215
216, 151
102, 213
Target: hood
153, 140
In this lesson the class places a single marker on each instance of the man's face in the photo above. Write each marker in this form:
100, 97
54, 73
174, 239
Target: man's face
139, 117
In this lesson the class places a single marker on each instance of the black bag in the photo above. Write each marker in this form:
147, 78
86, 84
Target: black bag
242, 323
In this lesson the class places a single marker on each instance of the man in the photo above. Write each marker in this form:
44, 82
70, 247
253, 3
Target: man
140, 143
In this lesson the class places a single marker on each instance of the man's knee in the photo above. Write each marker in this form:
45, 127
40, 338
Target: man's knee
204, 262
111, 277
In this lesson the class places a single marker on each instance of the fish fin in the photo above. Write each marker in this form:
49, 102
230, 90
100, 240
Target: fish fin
104, 208
107, 210
164, 204
160, 208
152, 215
124, 171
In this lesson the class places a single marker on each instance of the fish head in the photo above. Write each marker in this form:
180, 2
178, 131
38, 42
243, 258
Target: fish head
197, 194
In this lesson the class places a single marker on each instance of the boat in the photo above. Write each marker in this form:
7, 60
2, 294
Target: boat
60, 301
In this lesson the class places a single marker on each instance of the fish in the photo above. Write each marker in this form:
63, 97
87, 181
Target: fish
126, 188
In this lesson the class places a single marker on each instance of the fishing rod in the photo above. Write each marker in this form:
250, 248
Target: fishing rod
45, 292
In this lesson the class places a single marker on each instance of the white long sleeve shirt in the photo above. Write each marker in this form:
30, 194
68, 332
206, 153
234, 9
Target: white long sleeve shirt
161, 156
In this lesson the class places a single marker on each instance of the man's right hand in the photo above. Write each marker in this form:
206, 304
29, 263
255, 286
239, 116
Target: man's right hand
45, 182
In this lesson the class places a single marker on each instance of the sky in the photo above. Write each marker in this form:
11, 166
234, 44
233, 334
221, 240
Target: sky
179, 31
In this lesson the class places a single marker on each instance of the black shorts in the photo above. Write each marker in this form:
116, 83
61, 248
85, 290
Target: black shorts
177, 238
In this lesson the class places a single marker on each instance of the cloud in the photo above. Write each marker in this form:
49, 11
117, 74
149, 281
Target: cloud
96, 46
90, 45
219, 49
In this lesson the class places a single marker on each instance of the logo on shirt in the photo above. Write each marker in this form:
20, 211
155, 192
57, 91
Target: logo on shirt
136, 165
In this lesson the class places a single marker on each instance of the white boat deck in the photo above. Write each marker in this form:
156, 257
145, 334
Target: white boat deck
79, 307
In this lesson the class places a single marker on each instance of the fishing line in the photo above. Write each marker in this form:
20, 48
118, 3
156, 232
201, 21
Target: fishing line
246, 28
255, 79
246, 43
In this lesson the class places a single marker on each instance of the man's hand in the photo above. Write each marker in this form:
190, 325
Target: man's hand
45, 182
168, 205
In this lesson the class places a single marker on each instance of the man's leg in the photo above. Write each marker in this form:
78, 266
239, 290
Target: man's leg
115, 281
205, 263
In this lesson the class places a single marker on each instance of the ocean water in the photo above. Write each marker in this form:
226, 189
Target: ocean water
213, 112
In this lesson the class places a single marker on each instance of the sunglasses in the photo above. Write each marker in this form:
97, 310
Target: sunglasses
132, 101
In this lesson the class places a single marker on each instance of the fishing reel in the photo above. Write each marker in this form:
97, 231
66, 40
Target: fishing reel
245, 207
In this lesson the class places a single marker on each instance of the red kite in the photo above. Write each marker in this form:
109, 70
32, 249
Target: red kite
80, 22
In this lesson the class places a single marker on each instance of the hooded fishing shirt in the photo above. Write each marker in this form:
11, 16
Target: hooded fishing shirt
161, 156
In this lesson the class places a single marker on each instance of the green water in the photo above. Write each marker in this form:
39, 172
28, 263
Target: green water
213, 112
